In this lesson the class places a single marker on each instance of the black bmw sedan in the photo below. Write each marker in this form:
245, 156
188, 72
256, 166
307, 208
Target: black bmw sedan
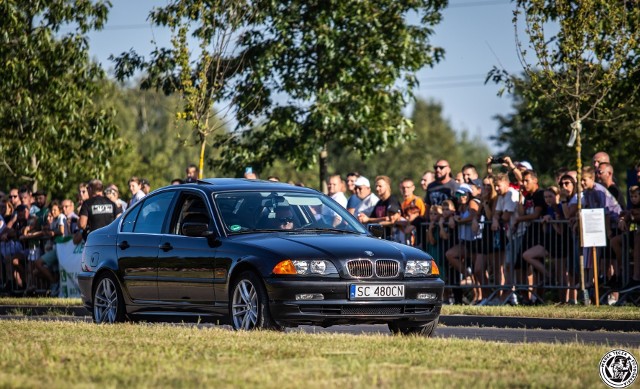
256, 255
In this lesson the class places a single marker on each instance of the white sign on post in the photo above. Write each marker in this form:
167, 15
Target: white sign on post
594, 230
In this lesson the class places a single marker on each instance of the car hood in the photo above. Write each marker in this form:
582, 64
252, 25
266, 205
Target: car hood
334, 246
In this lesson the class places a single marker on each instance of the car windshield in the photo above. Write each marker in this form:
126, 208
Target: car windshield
252, 211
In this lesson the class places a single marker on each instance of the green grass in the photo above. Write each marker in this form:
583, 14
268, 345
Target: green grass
548, 311
544, 311
66, 355
41, 301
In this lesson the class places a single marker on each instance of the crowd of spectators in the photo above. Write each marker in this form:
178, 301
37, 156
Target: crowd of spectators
503, 238
498, 238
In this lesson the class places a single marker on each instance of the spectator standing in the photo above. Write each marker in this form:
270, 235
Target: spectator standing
48, 262
136, 191
409, 199
469, 173
597, 196
354, 200
113, 193
443, 188
628, 224
387, 210
26, 198
334, 188
504, 222
83, 194
72, 219
604, 175
599, 158
427, 177
368, 200
192, 172
96, 212
145, 186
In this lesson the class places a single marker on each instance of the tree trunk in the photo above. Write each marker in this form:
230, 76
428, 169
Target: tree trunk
323, 170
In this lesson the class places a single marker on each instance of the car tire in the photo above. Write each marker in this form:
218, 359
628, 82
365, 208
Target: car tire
108, 302
249, 304
422, 330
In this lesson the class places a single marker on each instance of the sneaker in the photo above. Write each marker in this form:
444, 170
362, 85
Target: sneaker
611, 300
55, 289
513, 299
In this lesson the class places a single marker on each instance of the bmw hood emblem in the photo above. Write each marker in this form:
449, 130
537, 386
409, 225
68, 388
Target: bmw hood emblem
369, 253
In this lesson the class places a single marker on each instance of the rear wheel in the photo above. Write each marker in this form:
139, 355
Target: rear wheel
249, 308
108, 303
422, 330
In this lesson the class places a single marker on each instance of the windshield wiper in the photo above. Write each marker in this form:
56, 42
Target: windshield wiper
326, 229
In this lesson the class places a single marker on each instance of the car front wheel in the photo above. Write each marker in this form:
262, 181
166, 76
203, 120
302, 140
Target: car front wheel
249, 304
108, 303
422, 330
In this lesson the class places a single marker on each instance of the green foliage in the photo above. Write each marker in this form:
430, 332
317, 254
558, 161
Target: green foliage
196, 75
157, 146
53, 133
319, 74
431, 138
539, 123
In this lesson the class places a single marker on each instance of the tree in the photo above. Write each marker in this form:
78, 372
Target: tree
595, 47
198, 75
433, 138
52, 131
537, 123
316, 73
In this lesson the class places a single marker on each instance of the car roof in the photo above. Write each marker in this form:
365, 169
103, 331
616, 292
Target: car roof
224, 184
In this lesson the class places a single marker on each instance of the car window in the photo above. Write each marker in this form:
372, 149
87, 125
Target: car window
255, 211
129, 220
153, 213
191, 208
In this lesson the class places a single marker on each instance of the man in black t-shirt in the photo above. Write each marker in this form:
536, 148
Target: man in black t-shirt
96, 212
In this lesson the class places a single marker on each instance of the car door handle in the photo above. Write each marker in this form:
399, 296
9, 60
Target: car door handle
124, 245
166, 247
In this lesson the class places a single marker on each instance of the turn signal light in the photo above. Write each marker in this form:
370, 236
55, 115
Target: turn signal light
285, 267
434, 269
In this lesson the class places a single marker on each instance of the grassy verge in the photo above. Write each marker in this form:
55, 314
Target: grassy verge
41, 301
548, 311
544, 311
61, 354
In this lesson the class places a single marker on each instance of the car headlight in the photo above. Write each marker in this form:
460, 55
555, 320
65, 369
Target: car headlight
421, 268
300, 267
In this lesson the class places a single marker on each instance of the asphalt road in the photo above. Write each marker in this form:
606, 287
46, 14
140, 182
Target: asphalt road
509, 335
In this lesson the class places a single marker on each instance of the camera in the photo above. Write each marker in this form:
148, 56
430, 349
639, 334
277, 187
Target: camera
497, 160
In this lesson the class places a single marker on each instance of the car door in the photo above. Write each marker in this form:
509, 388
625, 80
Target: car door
186, 263
137, 246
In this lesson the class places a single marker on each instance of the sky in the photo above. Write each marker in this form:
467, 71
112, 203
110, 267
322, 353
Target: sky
476, 35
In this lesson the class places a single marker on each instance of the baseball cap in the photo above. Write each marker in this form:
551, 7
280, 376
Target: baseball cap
464, 189
362, 181
525, 165
393, 208
476, 182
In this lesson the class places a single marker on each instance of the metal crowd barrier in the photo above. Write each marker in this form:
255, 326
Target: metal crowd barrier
488, 278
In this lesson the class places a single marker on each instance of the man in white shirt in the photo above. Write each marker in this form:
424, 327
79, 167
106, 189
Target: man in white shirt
506, 207
369, 200
334, 189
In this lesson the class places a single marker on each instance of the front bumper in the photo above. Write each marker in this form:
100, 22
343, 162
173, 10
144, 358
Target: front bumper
336, 308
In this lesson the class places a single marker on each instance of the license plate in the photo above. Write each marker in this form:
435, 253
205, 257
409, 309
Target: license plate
359, 291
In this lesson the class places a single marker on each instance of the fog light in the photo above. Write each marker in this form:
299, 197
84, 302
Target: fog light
310, 296
426, 296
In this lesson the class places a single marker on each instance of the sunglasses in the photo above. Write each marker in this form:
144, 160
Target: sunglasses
13, 196
286, 220
440, 167
599, 171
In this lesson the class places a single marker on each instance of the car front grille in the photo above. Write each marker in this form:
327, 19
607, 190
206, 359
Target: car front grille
367, 268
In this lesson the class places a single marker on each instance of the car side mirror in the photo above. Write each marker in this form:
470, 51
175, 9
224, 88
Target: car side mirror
194, 229
376, 230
